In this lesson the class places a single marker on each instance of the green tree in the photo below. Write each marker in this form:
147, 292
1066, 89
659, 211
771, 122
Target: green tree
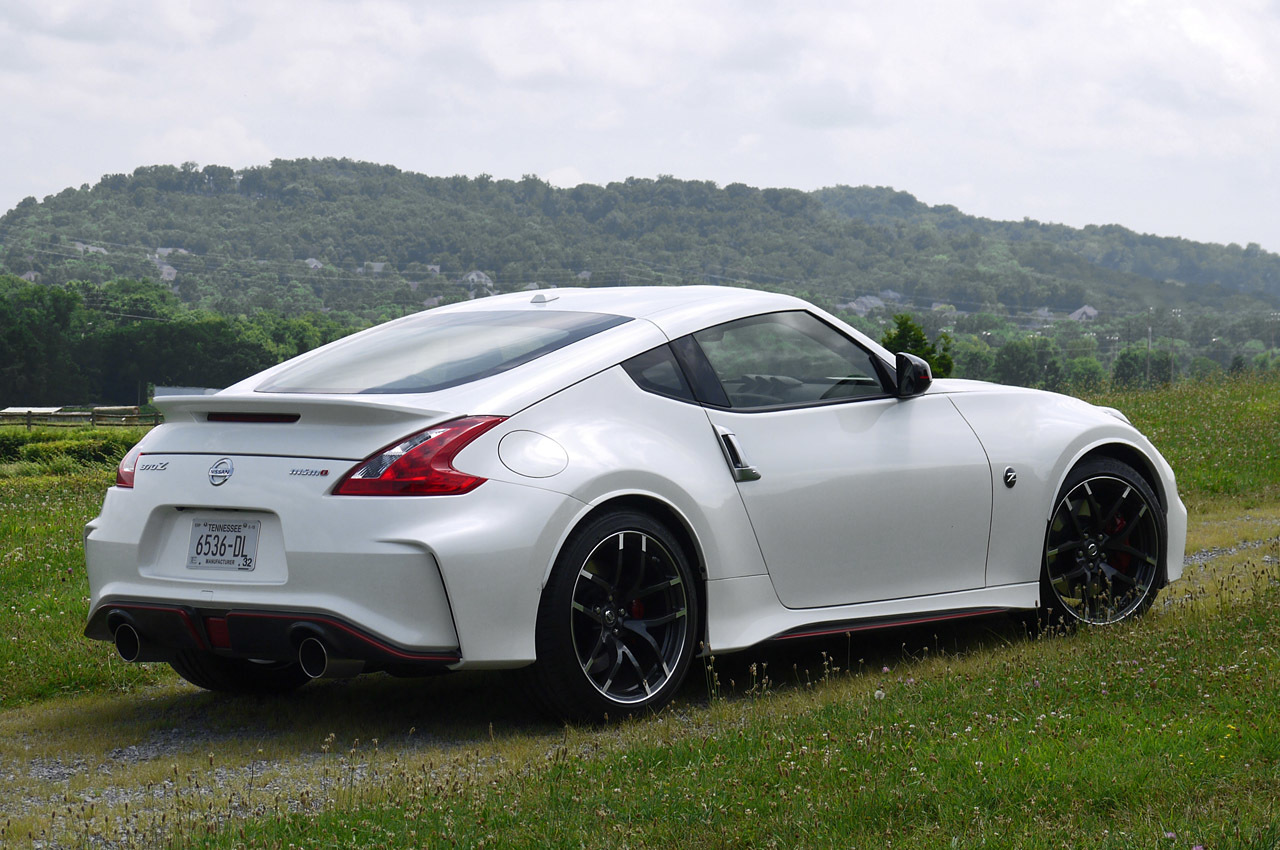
1085, 375
906, 335
1016, 364
974, 359
1138, 367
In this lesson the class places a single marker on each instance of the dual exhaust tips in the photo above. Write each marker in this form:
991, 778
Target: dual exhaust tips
314, 655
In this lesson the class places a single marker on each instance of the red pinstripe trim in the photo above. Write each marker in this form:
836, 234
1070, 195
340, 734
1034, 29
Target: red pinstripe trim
186, 618
341, 626
888, 624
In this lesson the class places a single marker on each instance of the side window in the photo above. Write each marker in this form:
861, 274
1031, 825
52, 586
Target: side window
787, 359
657, 371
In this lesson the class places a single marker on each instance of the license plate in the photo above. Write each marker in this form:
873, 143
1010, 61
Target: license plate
223, 544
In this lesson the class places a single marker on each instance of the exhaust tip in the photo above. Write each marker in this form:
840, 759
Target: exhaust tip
313, 657
315, 661
128, 642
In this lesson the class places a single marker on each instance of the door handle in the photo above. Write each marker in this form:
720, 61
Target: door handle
742, 471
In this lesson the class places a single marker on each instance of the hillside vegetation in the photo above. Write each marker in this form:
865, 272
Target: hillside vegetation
201, 276
380, 237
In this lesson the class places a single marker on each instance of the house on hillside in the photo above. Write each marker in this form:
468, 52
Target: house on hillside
1084, 314
862, 305
478, 284
313, 264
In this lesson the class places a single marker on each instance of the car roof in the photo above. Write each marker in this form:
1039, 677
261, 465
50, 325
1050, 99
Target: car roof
677, 310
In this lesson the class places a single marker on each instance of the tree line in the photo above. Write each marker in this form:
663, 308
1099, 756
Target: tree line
86, 343
109, 343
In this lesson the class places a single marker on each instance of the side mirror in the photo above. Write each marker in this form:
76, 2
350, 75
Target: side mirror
914, 375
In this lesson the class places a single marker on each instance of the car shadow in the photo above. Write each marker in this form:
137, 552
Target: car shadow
475, 709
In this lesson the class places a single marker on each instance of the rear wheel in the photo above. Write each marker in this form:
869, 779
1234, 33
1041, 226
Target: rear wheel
1104, 548
618, 622
238, 675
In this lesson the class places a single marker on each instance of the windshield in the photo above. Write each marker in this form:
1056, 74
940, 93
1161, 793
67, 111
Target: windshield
437, 350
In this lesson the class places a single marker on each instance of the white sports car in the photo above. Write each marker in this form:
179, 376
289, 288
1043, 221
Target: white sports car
599, 484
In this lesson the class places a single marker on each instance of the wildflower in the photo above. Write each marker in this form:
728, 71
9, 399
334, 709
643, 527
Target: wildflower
879, 694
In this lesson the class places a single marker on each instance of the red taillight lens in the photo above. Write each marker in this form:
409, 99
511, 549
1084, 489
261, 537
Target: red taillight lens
421, 464
128, 465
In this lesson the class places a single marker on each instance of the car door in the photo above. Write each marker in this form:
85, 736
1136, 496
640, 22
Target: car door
855, 495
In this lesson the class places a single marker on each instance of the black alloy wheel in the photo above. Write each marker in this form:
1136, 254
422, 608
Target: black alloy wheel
1104, 548
619, 620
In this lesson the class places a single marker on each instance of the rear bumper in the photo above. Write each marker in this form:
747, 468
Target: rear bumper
265, 635
454, 577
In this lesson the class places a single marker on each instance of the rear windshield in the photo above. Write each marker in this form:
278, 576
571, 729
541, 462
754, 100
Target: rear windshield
437, 350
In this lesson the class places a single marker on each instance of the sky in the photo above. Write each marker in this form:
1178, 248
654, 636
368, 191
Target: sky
1161, 116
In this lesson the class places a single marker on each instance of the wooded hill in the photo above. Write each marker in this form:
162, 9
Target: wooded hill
336, 235
202, 276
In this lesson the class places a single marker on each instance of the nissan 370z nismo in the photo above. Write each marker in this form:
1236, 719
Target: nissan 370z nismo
599, 484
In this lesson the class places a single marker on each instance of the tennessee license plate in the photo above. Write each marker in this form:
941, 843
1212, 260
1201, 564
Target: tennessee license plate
223, 544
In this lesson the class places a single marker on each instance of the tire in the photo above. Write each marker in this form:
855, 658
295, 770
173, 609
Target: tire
238, 675
1104, 550
618, 622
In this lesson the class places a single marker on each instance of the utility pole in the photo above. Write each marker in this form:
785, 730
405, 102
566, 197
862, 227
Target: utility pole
1149, 309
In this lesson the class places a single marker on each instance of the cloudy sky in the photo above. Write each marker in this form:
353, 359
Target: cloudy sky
1161, 116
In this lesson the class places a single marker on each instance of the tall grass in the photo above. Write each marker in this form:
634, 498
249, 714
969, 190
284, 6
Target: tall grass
1221, 436
43, 653
1160, 733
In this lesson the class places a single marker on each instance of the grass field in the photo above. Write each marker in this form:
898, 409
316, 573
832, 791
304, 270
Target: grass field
1159, 733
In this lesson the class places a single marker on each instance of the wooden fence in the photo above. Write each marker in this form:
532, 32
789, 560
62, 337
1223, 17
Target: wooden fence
94, 418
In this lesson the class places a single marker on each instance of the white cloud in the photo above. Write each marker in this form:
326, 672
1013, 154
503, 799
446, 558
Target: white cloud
1160, 115
222, 140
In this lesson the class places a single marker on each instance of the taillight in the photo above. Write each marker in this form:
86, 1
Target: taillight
421, 464
128, 465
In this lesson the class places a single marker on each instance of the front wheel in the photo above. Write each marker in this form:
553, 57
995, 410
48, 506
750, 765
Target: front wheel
1104, 548
619, 620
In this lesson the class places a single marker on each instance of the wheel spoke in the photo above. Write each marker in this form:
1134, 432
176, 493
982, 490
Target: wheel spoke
670, 617
1095, 510
636, 627
1124, 533
1062, 548
596, 580
1115, 509
1137, 553
1071, 515
1114, 575
595, 653
655, 588
640, 674
588, 612
1069, 583
613, 671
